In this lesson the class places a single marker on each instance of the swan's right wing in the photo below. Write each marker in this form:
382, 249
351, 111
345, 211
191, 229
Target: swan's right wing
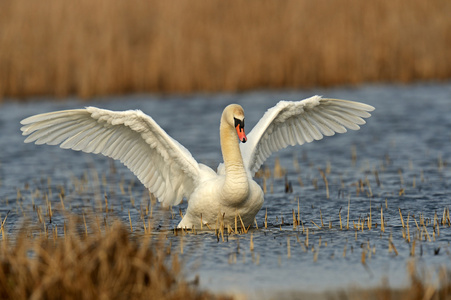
164, 166
299, 122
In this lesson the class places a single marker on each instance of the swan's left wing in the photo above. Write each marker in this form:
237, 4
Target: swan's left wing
291, 123
163, 165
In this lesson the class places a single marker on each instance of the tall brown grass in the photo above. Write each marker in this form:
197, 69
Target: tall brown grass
99, 47
109, 264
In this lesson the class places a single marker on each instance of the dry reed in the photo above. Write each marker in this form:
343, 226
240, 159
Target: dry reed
103, 47
421, 287
108, 265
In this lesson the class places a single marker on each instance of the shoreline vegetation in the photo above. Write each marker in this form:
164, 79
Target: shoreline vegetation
107, 264
96, 48
110, 262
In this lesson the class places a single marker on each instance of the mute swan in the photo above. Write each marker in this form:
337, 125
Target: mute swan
168, 169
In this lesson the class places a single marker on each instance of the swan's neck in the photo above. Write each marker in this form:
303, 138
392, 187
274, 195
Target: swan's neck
236, 185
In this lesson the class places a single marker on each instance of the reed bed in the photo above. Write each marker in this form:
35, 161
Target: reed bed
115, 264
90, 48
111, 264
420, 288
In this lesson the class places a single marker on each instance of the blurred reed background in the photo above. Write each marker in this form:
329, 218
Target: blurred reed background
100, 47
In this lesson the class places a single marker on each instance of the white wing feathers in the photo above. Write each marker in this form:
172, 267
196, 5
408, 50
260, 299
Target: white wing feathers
291, 123
164, 166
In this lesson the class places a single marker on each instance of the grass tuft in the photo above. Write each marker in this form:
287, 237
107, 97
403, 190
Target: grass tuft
110, 265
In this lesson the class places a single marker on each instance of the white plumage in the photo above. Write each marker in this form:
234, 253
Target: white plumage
291, 123
168, 169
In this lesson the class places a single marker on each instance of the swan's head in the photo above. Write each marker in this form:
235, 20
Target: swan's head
234, 116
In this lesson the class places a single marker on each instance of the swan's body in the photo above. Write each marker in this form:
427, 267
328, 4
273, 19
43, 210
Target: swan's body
170, 172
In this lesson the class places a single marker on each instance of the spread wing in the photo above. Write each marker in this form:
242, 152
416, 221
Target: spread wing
163, 165
291, 123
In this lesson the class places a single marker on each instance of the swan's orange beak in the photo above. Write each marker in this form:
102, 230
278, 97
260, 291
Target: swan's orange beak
241, 133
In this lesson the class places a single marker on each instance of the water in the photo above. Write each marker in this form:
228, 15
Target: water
406, 141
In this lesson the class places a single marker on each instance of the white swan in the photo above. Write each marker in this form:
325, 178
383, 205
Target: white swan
168, 169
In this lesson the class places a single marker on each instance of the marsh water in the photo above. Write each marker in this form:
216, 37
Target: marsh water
397, 161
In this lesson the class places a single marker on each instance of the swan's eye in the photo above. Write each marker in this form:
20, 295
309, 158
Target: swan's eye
239, 122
